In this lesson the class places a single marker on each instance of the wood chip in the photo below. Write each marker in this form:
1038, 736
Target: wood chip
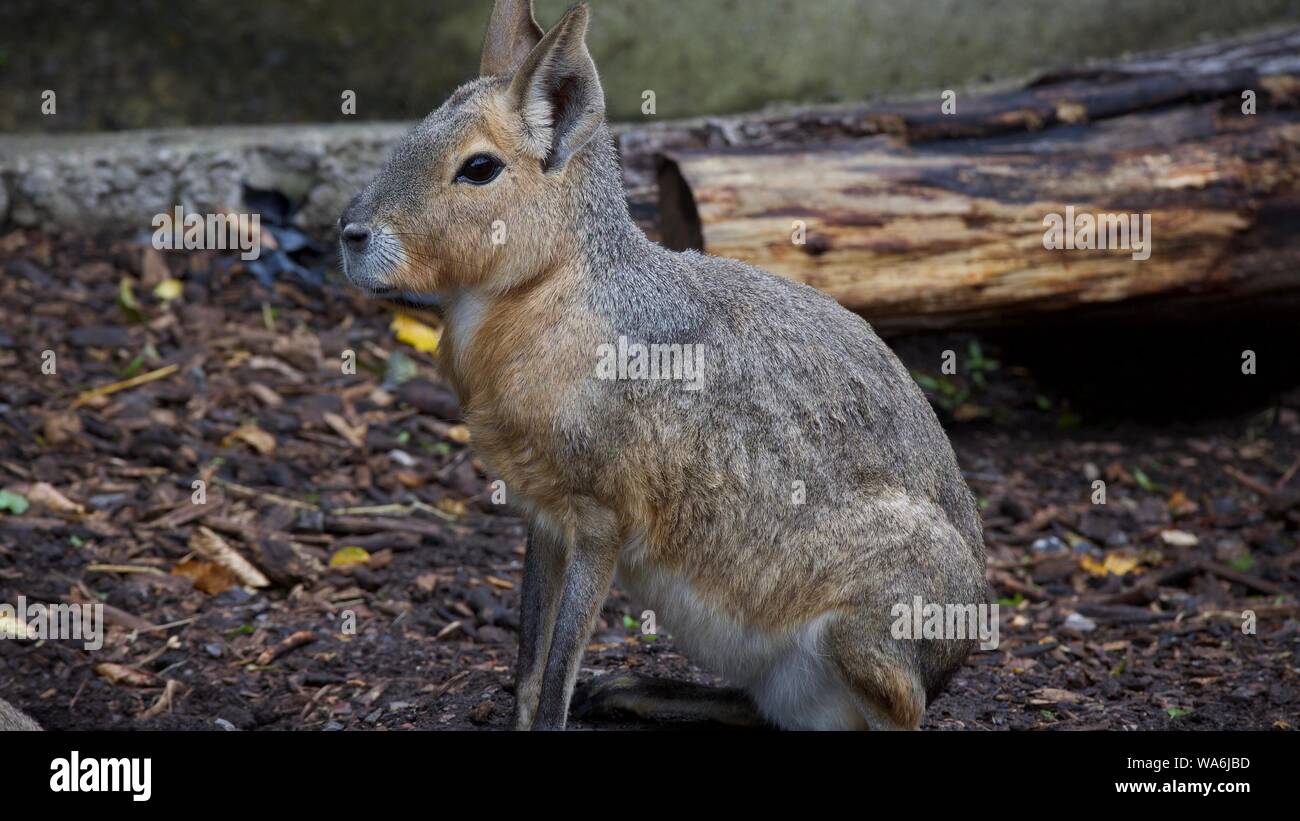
293, 642
135, 381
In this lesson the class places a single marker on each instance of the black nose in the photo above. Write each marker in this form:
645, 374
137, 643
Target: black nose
356, 237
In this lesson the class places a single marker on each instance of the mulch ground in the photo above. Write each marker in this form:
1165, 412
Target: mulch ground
391, 577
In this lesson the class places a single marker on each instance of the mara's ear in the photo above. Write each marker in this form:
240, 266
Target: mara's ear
511, 35
557, 92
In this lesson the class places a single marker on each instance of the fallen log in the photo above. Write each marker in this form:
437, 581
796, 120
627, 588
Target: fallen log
1095, 188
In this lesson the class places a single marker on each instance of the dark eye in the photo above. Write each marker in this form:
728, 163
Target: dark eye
480, 169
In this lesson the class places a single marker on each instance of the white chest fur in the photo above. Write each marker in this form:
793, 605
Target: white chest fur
465, 313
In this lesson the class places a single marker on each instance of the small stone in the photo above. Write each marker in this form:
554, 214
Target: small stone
225, 725
1049, 546
1178, 538
1083, 547
402, 458
108, 501
1230, 548
1076, 623
100, 336
1243, 695
492, 635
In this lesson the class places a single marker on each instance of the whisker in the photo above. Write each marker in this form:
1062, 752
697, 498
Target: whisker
412, 254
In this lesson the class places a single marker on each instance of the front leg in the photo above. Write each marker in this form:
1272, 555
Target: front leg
587, 577
544, 564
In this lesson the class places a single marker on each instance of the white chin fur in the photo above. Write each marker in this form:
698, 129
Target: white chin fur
372, 270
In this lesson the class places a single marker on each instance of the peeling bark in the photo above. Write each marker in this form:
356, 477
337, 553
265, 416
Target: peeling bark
939, 220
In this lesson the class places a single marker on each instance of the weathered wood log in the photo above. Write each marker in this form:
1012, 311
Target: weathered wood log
943, 220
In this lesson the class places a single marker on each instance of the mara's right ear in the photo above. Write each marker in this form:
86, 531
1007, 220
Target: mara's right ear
557, 92
511, 35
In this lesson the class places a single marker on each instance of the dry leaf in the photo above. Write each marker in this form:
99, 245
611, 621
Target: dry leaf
127, 676
164, 702
1052, 695
252, 435
45, 495
409, 478
356, 436
1180, 505
449, 505
264, 394
458, 434
211, 546
270, 363
207, 576
58, 427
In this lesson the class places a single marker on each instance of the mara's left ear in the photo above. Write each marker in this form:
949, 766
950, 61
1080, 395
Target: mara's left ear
557, 92
511, 34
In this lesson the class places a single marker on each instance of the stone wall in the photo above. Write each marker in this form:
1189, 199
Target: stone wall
118, 182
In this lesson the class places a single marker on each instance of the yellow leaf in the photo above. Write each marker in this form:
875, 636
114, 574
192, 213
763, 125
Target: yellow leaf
1114, 565
451, 506
347, 556
415, 333
168, 289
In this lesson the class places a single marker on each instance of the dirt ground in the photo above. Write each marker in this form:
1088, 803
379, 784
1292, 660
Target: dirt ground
1122, 615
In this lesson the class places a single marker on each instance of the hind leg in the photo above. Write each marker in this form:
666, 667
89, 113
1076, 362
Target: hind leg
839, 676
880, 673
